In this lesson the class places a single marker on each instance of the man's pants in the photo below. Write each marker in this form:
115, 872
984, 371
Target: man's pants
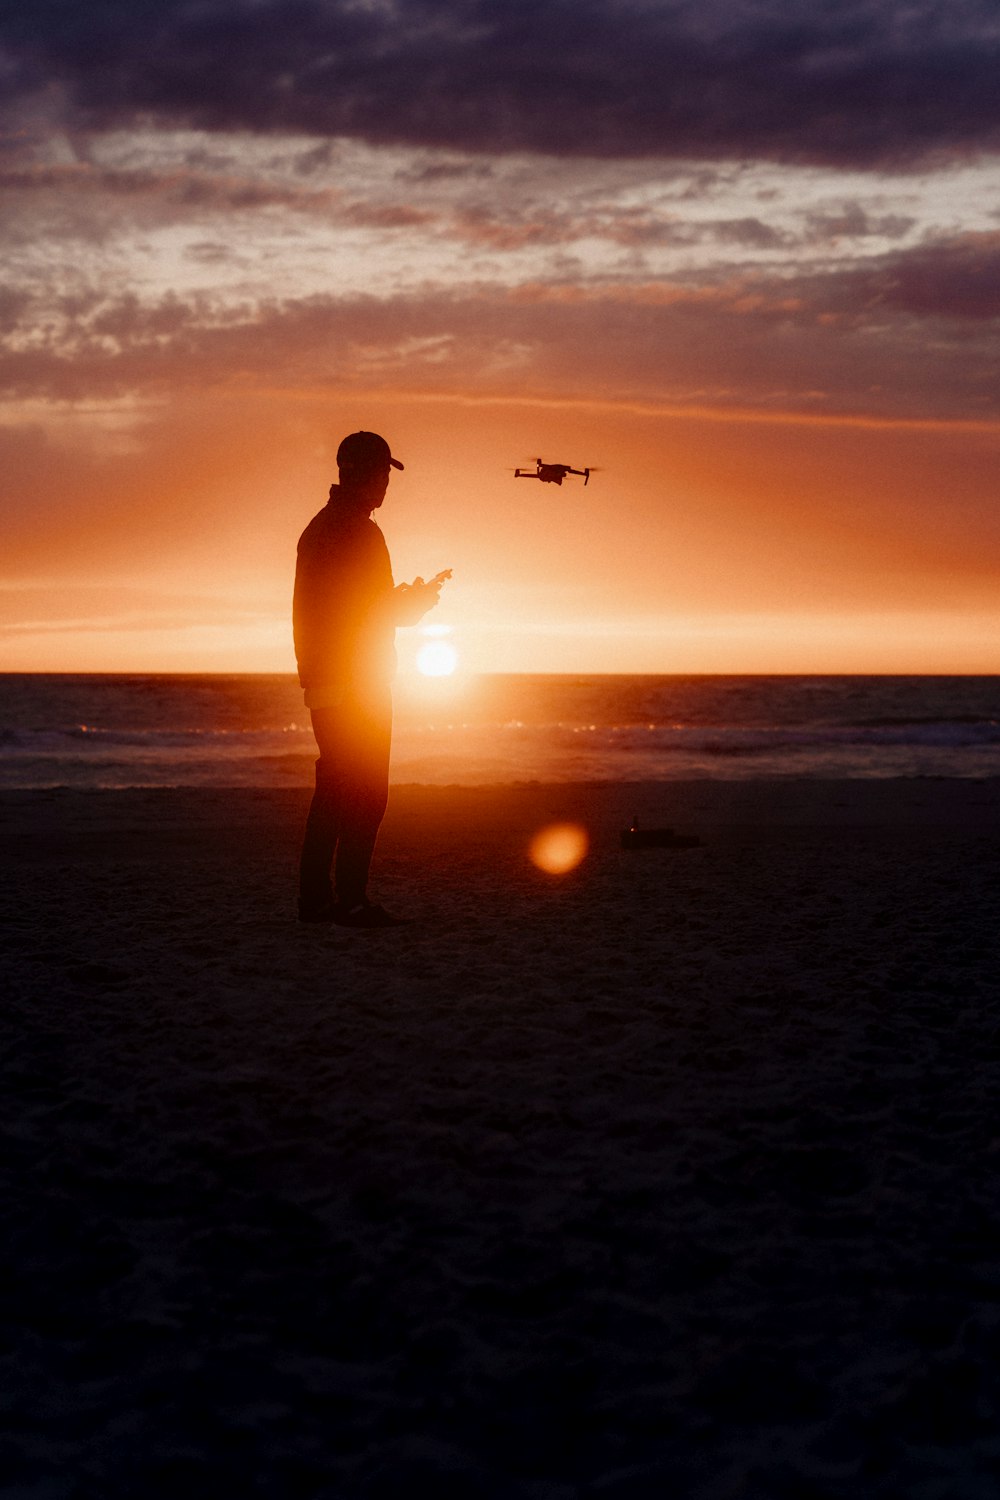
352, 789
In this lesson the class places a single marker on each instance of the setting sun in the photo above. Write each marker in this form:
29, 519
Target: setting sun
558, 848
437, 659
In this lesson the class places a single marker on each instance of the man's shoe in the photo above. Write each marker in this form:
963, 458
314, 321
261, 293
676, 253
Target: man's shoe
317, 911
364, 914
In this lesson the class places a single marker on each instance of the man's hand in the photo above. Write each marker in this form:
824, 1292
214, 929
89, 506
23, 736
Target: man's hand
413, 600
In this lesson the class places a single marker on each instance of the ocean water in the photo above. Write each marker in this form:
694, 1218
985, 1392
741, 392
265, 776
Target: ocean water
249, 730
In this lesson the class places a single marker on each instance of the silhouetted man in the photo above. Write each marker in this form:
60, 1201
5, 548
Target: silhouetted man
345, 612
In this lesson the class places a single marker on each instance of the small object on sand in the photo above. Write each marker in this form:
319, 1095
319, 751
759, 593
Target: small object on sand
635, 837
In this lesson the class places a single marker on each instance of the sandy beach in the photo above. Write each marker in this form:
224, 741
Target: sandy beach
677, 1175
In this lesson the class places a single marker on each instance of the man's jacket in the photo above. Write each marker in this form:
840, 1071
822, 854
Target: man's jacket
343, 609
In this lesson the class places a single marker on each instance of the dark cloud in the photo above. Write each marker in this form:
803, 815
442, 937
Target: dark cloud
851, 341
510, 226
852, 222
430, 172
957, 278
751, 232
187, 189
13, 305
841, 82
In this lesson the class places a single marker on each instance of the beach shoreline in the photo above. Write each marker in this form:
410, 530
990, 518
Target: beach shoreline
674, 1174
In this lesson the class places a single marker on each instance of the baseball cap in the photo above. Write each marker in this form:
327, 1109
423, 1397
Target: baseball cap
363, 451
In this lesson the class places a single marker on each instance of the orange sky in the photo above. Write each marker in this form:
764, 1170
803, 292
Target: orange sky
702, 544
782, 365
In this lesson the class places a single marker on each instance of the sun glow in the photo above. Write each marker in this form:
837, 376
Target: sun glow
437, 657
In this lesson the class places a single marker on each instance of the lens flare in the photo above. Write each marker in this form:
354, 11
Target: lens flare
437, 659
558, 848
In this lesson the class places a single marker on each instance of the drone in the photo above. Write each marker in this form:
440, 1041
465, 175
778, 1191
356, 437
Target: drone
550, 473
